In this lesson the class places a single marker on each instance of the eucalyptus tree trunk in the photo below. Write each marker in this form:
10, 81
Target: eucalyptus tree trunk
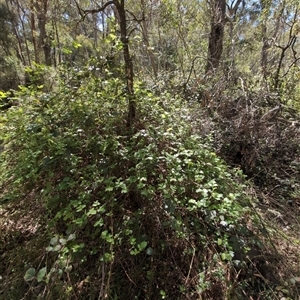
44, 40
33, 32
265, 39
216, 37
231, 19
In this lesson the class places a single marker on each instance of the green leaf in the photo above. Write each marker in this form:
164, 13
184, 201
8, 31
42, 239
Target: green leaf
63, 241
163, 294
71, 237
54, 241
30, 274
92, 211
220, 242
41, 274
227, 256
109, 189
142, 245
49, 248
192, 201
76, 45
98, 223
112, 36
57, 248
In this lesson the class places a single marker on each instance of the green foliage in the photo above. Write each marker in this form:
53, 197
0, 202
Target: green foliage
6, 19
10, 72
153, 197
39, 76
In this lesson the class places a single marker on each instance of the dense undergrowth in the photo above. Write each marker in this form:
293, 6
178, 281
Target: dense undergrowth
93, 209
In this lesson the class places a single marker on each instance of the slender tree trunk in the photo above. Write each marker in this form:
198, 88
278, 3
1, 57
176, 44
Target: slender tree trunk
33, 32
58, 44
215, 44
19, 47
25, 40
231, 16
146, 40
120, 13
95, 29
57, 59
265, 40
264, 50
44, 40
128, 61
54, 46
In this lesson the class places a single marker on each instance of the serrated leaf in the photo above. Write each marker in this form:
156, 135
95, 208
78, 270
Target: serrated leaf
30, 274
41, 274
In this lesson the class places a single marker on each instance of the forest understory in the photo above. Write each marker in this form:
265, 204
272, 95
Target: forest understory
149, 150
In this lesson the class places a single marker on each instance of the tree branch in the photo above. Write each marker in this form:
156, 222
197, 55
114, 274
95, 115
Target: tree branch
84, 12
135, 18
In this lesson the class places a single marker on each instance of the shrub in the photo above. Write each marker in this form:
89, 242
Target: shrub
149, 212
